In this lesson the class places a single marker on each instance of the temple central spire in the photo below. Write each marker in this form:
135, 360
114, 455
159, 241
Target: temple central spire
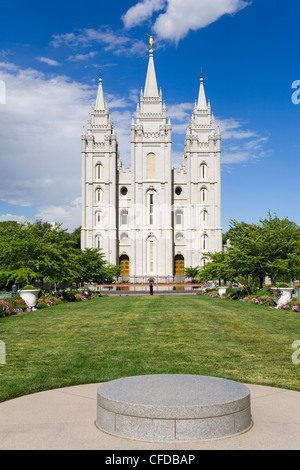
151, 90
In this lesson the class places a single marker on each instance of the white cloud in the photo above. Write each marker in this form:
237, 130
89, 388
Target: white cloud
241, 145
68, 214
10, 217
180, 111
116, 42
180, 114
233, 129
122, 122
66, 39
51, 62
141, 12
40, 128
181, 16
79, 57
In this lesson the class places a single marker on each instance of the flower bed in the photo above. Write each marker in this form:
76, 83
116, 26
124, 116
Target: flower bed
48, 301
17, 306
13, 306
266, 300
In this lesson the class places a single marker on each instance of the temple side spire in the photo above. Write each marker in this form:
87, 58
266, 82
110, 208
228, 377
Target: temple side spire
100, 104
202, 104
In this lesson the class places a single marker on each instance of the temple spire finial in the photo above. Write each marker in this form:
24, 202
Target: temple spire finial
151, 42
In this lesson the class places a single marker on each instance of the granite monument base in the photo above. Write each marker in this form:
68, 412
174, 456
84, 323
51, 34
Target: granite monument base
173, 407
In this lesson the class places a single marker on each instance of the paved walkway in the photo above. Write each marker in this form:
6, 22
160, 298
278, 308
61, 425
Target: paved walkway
64, 419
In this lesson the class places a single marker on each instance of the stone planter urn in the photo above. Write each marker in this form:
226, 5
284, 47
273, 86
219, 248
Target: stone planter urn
285, 295
30, 296
222, 290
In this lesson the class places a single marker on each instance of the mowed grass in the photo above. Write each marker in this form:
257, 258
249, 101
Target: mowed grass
112, 337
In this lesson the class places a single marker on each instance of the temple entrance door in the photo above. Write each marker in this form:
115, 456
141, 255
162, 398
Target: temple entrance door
179, 265
125, 265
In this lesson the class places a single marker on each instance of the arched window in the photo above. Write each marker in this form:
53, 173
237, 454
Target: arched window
98, 174
205, 242
203, 195
98, 242
204, 217
151, 255
203, 171
151, 166
98, 216
98, 196
151, 203
124, 217
151, 208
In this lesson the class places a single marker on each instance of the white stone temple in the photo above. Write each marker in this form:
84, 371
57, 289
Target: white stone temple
152, 219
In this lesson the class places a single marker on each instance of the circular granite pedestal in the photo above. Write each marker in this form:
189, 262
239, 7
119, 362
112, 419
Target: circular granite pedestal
173, 407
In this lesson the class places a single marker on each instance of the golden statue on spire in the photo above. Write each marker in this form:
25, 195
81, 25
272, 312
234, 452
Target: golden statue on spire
151, 42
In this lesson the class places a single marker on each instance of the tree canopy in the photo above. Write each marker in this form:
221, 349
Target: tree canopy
270, 248
192, 272
30, 252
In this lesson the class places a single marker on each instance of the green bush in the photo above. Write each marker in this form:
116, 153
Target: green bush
246, 290
230, 290
42, 305
69, 296
265, 291
282, 284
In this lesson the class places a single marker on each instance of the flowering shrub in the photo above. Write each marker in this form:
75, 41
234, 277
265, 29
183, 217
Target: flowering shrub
213, 294
80, 297
286, 306
48, 302
267, 300
13, 306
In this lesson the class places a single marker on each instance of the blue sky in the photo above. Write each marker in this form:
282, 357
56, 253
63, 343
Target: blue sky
50, 58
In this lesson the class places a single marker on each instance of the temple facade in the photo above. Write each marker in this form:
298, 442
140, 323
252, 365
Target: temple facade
152, 219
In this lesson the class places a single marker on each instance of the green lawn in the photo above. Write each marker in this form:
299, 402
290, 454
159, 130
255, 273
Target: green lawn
111, 337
